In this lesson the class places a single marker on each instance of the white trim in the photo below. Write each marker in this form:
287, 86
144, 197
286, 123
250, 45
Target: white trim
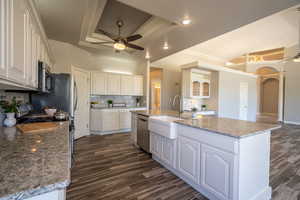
110, 132
204, 65
291, 122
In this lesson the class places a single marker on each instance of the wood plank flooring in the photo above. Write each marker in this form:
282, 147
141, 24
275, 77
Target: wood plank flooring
109, 167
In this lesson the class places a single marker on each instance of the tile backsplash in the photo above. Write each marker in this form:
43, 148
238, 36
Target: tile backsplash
7, 96
130, 101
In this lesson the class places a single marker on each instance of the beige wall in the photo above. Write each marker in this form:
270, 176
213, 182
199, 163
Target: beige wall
292, 83
67, 55
229, 95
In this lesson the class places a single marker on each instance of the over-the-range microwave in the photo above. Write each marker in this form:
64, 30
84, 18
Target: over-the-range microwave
45, 83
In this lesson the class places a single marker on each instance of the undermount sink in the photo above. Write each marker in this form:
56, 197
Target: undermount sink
163, 125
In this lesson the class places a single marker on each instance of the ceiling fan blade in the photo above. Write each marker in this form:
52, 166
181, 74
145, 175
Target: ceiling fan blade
110, 35
133, 37
133, 46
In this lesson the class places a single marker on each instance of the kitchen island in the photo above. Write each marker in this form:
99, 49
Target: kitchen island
34, 166
224, 159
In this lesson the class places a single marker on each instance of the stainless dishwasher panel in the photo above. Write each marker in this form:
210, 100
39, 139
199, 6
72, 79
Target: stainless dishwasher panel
143, 136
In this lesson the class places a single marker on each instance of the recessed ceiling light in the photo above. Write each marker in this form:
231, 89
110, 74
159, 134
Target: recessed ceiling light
186, 21
166, 46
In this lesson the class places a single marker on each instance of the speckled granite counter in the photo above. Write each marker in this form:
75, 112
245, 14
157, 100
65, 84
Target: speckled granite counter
33, 164
228, 127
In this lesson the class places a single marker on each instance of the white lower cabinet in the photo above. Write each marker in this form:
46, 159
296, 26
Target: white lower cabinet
163, 148
110, 120
217, 171
188, 158
106, 121
125, 119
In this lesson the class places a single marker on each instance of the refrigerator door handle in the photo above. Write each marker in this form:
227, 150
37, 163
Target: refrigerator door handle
76, 96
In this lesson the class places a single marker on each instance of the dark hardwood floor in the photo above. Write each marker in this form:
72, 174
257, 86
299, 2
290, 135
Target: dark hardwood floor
109, 167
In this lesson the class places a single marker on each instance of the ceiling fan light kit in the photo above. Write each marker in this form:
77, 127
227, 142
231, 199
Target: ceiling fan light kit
119, 46
121, 43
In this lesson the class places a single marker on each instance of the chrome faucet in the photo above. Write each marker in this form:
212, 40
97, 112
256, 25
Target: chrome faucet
180, 104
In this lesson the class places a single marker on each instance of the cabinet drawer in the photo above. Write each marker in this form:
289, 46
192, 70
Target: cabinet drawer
216, 140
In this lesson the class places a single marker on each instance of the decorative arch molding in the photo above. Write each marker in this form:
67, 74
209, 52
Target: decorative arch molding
265, 70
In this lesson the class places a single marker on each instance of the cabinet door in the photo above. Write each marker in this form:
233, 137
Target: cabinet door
138, 85
125, 119
3, 38
113, 84
34, 66
188, 158
217, 171
110, 120
167, 154
127, 85
96, 120
17, 40
156, 145
99, 83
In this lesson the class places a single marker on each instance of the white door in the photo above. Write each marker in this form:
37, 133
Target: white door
188, 158
243, 101
113, 84
217, 171
99, 82
81, 102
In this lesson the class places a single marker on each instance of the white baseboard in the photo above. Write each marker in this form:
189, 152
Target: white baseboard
291, 122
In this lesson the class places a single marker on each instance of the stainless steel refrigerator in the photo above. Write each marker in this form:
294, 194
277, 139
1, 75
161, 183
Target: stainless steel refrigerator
60, 95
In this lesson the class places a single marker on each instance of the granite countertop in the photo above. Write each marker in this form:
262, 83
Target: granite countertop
33, 163
229, 127
129, 107
150, 113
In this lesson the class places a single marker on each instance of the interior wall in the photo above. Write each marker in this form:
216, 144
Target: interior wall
171, 86
213, 101
229, 95
155, 93
292, 83
66, 55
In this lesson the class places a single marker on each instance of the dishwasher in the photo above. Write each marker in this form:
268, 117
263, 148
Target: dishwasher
143, 136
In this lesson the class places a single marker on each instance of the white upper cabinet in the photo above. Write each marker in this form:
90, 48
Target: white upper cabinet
116, 84
17, 18
22, 43
127, 85
138, 85
196, 83
98, 83
113, 84
3, 41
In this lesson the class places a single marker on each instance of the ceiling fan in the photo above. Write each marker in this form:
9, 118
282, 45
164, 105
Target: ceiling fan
121, 43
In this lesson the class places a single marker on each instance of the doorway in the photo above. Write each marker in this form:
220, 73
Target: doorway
155, 88
269, 97
269, 93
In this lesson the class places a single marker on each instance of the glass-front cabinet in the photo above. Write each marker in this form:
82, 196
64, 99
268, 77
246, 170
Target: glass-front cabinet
200, 87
